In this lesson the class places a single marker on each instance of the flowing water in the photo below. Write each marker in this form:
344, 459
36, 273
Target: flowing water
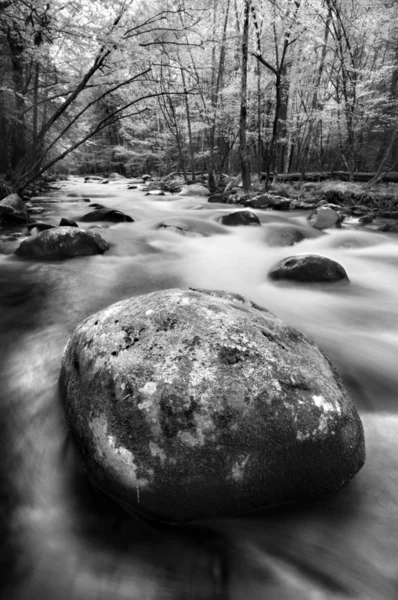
60, 540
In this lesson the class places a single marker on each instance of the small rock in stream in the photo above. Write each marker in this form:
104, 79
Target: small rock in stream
106, 214
240, 217
194, 403
309, 268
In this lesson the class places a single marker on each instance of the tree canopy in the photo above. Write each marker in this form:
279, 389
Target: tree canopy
275, 86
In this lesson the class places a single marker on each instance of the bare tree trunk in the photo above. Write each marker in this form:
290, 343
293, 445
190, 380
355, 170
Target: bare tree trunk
243, 149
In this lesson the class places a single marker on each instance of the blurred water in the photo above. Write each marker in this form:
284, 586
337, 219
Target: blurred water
62, 541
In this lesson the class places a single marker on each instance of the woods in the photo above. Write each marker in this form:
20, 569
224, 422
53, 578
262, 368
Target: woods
227, 86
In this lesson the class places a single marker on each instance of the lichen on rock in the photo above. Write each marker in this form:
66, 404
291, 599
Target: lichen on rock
207, 404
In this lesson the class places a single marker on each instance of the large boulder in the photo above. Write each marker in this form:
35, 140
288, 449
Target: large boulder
62, 242
193, 403
324, 217
14, 201
240, 217
309, 268
106, 214
13, 210
195, 189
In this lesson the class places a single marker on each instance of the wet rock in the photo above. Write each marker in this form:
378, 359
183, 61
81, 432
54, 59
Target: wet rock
282, 204
181, 230
284, 236
132, 187
233, 199
240, 217
391, 227
36, 210
216, 198
10, 216
190, 403
309, 268
105, 181
106, 214
37, 226
67, 223
366, 219
14, 201
92, 178
96, 205
261, 201
62, 242
155, 193
358, 211
324, 218
146, 177
196, 189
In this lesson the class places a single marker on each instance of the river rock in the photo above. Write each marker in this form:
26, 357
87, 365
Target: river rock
216, 198
309, 268
37, 226
15, 202
284, 235
194, 403
62, 242
67, 223
180, 229
106, 214
195, 189
240, 217
10, 216
391, 227
324, 217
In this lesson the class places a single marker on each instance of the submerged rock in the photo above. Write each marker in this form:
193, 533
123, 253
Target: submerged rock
285, 235
240, 217
194, 403
106, 214
309, 268
62, 242
181, 230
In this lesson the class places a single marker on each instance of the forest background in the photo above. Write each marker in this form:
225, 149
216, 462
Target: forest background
257, 87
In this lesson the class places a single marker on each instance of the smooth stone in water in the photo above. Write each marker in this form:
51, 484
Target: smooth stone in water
240, 217
193, 403
67, 223
309, 268
106, 214
62, 242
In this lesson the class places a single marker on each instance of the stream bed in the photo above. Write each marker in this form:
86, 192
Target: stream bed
61, 540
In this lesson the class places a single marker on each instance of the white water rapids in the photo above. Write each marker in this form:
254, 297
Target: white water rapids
62, 542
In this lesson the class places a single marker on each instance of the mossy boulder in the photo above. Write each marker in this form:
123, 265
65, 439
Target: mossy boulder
193, 403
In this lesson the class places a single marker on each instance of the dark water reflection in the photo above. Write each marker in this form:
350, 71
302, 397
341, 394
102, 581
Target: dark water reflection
63, 540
